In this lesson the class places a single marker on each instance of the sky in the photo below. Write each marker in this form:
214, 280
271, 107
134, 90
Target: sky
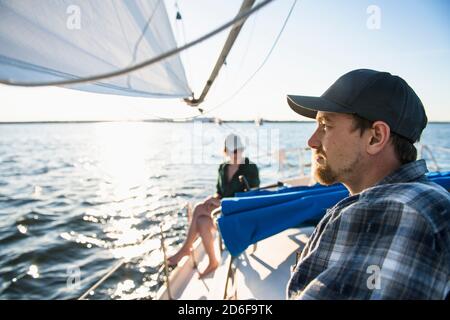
323, 39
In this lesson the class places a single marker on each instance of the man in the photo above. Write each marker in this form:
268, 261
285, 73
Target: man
390, 238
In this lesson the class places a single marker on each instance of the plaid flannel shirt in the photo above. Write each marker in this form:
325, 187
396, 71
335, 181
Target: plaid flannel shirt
391, 241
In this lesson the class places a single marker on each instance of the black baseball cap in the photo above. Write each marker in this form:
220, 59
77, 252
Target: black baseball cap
372, 95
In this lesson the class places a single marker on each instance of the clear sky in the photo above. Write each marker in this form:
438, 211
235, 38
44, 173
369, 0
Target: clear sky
323, 39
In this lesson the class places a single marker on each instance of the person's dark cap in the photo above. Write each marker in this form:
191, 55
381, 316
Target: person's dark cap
372, 95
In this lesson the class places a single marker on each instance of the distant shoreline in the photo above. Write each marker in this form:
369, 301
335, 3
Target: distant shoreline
162, 121
168, 121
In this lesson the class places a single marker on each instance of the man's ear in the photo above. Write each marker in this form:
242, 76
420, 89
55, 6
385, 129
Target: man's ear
378, 137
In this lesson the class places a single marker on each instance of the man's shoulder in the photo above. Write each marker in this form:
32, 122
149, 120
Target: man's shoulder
422, 198
222, 166
416, 194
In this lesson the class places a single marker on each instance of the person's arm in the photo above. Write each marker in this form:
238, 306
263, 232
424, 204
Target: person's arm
385, 251
218, 193
214, 201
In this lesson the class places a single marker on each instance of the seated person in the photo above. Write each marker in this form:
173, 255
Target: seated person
227, 185
390, 238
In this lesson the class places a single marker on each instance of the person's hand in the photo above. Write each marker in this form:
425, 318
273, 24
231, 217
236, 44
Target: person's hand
215, 201
212, 203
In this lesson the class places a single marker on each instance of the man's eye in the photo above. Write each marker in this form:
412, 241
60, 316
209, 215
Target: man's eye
324, 126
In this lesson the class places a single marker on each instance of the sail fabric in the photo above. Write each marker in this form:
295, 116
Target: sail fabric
247, 219
263, 198
53, 40
241, 229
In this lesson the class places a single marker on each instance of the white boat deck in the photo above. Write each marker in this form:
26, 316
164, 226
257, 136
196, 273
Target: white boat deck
263, 275
259, 275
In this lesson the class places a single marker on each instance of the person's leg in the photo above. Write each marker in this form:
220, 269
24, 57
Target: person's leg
199, 210
206, 229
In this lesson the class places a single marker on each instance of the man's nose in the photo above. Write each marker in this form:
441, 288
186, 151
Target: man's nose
314, 141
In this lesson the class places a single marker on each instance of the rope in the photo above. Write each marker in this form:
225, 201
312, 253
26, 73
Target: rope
245, 83
247, 47
111, 271
221, 60
163, 268
260, 67
180, 17
141, 65
165, 264
106, 276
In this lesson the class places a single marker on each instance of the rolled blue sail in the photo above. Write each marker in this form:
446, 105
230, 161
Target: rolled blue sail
254, 216
244, 202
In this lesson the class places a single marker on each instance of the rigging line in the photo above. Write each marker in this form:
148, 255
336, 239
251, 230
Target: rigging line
106, 276
147, 24
260, 67
252, 30
141, 65
122, 261
141, 37
113, 269
221, 60
246, 82
244, 56
185, 54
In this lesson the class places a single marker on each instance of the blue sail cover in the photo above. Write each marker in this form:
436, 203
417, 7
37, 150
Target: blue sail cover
54, 40
256, 215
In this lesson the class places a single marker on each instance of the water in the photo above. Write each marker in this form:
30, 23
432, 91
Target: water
77, 198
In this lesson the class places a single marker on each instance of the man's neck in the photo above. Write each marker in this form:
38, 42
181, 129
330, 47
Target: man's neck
372, 174
238, 162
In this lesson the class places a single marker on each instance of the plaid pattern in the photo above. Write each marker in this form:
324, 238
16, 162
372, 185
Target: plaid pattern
392, 241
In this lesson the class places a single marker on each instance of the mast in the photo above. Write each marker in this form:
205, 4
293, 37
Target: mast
234, 32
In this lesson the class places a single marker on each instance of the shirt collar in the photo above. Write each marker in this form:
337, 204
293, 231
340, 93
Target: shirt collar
246, 161
407, 172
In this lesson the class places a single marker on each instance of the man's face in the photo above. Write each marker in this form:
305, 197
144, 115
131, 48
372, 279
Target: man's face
235, 156
338, 149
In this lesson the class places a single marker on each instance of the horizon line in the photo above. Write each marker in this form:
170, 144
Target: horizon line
207, 120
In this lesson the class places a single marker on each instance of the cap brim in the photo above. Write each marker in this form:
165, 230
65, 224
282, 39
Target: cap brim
308, 106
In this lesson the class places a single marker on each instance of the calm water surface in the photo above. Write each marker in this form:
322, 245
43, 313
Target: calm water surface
77, 198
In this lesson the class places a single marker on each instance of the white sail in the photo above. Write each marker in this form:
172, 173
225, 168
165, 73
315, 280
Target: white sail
54, 40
